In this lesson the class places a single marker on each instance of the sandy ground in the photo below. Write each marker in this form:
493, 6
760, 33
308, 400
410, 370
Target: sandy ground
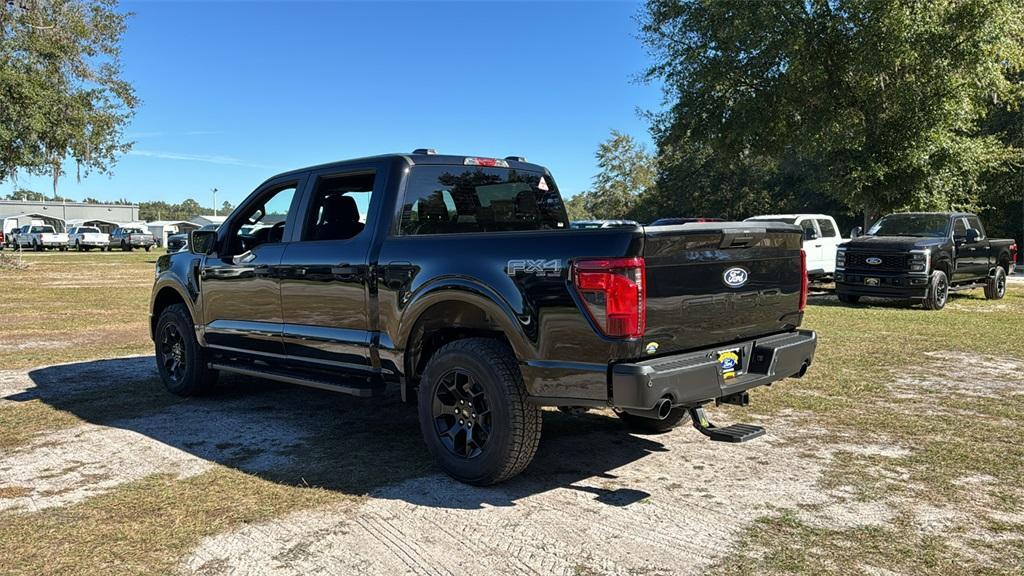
595, 501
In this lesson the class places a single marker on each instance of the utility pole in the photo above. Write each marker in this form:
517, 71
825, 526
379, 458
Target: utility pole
214, 201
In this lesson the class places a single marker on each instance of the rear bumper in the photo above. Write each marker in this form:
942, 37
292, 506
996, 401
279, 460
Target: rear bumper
694, 378
889, 285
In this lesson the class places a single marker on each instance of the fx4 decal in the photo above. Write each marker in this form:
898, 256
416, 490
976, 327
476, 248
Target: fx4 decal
545, 268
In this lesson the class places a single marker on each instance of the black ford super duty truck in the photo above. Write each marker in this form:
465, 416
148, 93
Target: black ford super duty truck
923, 256
459, 279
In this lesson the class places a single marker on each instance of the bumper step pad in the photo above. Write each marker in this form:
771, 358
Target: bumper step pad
734, 433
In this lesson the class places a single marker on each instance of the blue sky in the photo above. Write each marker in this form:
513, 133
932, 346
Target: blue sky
235, 92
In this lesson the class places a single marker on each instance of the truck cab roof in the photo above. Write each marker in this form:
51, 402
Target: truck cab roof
419, 157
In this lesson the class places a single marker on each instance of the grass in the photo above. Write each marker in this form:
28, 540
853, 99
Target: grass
68, 306
885, 374
947, 434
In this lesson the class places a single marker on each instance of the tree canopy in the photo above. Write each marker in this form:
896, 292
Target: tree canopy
626, 171
872, 105
61, 92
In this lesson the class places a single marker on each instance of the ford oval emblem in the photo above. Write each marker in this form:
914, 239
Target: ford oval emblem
735, 277
874, 260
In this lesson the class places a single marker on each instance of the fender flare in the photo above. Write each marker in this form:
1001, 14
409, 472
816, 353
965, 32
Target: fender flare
469, 291
160, 287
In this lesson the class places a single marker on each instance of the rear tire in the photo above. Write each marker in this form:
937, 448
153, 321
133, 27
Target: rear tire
180, 359
148, 248
848, 298
938, 292
995, 287
477, 381
641, 425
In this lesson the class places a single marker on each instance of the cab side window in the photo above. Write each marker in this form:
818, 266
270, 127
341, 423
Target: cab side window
976, 224
808, 227
338, 207
263, 222
827, 229
959, 228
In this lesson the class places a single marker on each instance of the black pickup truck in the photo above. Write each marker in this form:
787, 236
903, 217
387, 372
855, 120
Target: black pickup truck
923, 256
460, 280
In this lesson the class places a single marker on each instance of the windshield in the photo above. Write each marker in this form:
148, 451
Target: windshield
927, 225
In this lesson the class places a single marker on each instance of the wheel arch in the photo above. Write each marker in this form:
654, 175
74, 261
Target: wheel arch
163, 297
450, 311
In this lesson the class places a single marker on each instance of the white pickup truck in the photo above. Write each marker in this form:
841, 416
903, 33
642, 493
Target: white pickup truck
821, 238
85, 238
41, 237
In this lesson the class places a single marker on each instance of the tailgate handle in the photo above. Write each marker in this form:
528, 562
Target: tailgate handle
740, 239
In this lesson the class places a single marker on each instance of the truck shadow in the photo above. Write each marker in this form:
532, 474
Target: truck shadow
304, 437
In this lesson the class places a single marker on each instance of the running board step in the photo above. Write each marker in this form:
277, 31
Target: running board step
290, 377
734, 433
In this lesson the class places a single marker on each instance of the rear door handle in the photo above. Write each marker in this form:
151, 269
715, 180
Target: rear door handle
343, 270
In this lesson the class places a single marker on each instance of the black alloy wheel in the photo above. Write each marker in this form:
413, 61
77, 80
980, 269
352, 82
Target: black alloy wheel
462, 416
172, 354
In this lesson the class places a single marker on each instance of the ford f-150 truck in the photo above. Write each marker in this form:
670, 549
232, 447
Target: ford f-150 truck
128, 238
460, 280
923, 256
41, 237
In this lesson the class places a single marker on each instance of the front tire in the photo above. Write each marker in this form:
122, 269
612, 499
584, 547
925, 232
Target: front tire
641, 425
995, 287
848, 298
938, 292
148, 248
180, 359
474, 413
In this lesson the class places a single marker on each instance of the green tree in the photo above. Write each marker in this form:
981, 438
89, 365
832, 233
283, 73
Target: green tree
61, 92
876, 104
576, 207
626, 170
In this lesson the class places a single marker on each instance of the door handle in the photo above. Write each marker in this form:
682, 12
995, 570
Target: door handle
343, 270
817, 245
262, 270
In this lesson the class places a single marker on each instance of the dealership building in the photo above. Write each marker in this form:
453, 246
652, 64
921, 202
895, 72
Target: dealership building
59, 214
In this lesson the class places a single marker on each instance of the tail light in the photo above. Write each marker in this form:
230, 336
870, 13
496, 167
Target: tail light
614, 293
803, 280
1013, 252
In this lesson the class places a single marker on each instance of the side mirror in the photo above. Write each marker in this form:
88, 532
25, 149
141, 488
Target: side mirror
972, 235
202, 241
857, 231
810, 234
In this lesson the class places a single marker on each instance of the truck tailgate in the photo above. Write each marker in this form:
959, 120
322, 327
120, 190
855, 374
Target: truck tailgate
713, 283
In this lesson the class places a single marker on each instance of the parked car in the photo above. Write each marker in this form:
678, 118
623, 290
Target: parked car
821, 239
178, 242
591, 224
467, 288
41, 237
127, 238
923, 256
85, 238
9, 233
682, 220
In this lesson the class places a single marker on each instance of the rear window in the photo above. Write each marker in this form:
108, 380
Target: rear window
88, 230
42, 230
464, 199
